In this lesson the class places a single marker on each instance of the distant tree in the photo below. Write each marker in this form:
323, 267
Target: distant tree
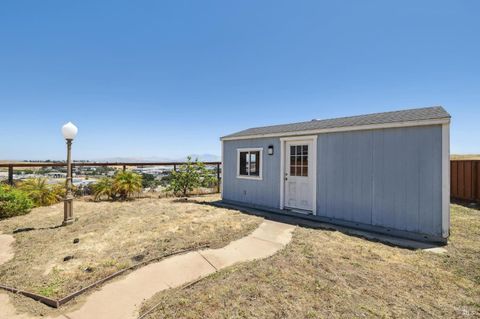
44, 170
188, 177
149, 181
165, 180
23, 171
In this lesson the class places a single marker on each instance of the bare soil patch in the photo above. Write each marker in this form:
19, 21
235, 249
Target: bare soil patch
327, 274
107, 237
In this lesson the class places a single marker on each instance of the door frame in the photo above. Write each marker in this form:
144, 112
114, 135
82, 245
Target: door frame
312, 168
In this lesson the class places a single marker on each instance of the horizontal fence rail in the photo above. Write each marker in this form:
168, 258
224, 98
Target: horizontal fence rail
465, 180
124, 165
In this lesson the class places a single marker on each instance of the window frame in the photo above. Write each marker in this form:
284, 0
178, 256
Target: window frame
259, 162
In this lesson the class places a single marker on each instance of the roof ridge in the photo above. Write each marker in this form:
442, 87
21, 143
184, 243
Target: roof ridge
404, 115
353, 116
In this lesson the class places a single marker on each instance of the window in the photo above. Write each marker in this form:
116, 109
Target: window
249, 163
299, 160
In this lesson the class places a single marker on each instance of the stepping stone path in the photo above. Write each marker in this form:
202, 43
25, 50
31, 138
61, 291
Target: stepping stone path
122, 298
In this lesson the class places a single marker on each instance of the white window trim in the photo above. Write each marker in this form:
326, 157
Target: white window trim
260, 173
312, 169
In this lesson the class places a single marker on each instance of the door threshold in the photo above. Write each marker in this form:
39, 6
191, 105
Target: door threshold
299, 211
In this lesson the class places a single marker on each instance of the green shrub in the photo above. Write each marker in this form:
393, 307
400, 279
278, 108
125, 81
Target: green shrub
127, 183
13, 202
122, 186
189, 176
42, 193
104, 188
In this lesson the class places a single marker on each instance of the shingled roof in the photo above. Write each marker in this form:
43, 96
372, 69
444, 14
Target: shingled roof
427, 113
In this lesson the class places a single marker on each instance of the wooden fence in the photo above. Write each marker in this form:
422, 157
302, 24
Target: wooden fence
465, 180
174, 165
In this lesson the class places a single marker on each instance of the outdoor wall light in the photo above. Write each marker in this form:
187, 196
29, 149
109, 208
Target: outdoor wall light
270, 149
69, 131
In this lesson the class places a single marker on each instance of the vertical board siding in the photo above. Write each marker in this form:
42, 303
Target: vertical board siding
322, 183
461, 179
390, 178
453, 178
265, 192
465, 180
477, 184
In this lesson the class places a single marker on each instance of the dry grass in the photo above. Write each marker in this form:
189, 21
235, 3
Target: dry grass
111, 235
327, 274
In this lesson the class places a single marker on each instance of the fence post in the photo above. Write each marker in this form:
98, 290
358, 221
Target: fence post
124, 168
10, 175
218, 178
174, 167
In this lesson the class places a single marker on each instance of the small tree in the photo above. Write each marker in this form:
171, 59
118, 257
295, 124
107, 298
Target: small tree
189, 176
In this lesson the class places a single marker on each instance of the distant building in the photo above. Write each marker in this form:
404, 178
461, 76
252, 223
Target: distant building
56, 175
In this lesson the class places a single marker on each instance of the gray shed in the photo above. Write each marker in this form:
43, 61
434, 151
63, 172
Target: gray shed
385, 172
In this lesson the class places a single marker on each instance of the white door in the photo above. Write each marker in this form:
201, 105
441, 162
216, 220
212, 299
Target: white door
298, 175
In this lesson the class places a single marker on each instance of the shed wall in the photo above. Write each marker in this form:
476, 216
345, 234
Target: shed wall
390, 178
265, 192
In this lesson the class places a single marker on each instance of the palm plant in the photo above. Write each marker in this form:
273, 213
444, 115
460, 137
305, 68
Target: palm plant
41, 193
104, 187
127, 183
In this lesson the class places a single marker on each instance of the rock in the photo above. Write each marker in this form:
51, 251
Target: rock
436, 250
138, 258
67, 258
76, 240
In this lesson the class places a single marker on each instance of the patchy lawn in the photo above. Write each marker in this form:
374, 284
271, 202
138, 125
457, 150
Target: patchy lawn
327, 274
112, 236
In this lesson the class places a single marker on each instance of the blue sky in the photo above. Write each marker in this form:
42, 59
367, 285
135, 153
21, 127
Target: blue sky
167, 78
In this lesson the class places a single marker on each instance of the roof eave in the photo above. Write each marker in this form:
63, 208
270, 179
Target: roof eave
439, 121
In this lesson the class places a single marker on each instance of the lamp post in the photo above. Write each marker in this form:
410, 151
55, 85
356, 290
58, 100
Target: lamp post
69, 132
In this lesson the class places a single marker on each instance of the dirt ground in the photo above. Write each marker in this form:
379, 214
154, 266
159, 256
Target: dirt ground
112, 236
327, 274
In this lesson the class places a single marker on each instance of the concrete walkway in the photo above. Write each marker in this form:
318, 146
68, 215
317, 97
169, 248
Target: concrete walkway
121, 299
6, 249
